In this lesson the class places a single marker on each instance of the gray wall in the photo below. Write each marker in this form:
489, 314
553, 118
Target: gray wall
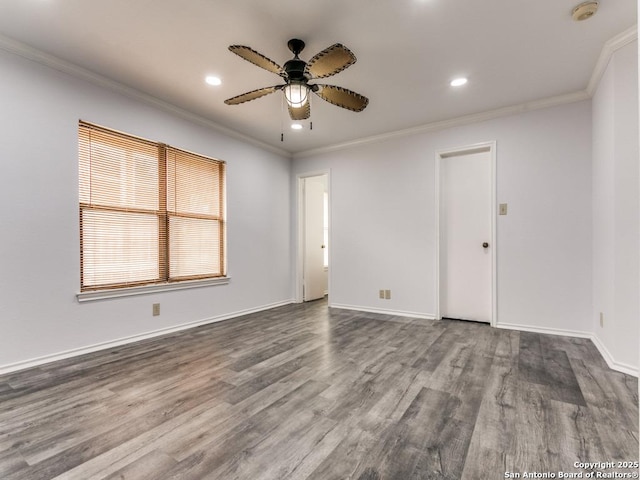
616, 208
383, 218
567, 250
568, 217
39, 245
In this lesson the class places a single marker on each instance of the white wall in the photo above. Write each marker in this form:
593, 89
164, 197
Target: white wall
616, 201
39, 245
383, 222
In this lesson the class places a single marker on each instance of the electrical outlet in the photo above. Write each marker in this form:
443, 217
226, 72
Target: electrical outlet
381, 294
503, 209
387, 294
601, 320
156, 309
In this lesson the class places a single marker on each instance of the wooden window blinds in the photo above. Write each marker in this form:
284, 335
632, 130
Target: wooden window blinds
149, 213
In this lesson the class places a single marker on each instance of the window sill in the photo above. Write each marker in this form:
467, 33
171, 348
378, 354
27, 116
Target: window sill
147, 289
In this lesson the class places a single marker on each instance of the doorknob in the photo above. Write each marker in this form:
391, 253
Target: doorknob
485, 245
322, 246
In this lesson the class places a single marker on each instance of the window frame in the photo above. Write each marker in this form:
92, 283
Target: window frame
164, 281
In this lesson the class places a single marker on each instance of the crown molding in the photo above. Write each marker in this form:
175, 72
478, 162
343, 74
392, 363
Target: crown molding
609, 48
606, 53
25, 51
453, 122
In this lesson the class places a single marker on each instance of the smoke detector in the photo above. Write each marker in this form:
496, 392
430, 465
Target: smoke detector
584, 11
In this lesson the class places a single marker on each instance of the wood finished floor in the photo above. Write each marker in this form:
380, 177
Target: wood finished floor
304, 392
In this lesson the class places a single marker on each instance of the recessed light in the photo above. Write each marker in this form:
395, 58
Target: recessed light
296, 126
211, 80
458, 82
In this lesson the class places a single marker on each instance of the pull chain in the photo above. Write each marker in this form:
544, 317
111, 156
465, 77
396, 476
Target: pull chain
282, 120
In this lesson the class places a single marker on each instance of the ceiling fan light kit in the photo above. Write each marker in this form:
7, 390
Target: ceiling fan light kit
584, 11
296, 94
297, 74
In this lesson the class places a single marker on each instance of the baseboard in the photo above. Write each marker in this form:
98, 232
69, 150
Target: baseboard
383, 311
545, 330
23, 365
611, 362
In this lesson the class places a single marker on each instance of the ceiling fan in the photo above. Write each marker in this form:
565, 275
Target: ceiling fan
297, 74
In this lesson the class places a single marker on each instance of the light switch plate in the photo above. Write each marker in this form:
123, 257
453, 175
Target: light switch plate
503, 209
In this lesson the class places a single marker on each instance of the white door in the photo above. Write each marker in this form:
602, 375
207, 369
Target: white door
465, 236
314, 273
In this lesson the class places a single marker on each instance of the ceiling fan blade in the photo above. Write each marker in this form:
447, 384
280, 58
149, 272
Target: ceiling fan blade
245, 97
330, 61
250, 55
341, 97
301, 113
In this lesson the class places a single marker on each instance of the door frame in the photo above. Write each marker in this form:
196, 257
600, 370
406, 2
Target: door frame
300, 178
442, 155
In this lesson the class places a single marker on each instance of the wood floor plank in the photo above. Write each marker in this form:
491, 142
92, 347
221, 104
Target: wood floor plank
228, 450
172, 431
197, 438
308, 392
151, 465
290, 442
573, 436
496, 427
346, 457
11, 462
322, 449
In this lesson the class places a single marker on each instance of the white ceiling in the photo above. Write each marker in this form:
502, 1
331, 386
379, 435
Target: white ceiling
512, 51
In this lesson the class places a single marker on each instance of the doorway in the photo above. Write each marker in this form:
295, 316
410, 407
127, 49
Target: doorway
313, 237
466, 249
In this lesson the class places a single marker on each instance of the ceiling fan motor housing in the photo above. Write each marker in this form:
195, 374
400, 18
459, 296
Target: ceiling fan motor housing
294, 69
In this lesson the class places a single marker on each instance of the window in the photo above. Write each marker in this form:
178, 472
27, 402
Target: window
149, 213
